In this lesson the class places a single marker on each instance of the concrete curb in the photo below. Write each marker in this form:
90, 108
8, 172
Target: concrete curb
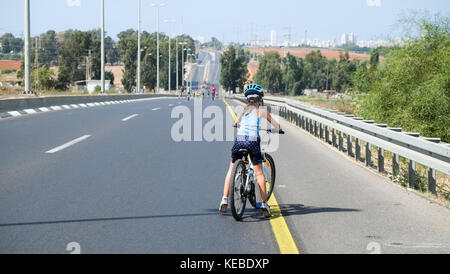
19, 107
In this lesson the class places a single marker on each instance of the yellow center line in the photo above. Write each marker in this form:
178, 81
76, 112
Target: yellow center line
280, 228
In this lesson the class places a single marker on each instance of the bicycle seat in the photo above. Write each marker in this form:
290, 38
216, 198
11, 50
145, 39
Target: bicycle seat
243, 151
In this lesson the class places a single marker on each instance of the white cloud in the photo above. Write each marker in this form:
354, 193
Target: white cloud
373, 3
73, 3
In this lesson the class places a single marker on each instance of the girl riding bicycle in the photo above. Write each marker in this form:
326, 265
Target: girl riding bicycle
248, 138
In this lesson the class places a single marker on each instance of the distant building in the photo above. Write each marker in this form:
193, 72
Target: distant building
352, 38
309, 92
273, 38
344, 39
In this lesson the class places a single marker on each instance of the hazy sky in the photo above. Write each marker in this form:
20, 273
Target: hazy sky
229, 19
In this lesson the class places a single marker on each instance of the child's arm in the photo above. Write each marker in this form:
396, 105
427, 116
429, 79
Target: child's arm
265, 114
238, 120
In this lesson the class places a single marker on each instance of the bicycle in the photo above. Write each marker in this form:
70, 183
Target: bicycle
242, 183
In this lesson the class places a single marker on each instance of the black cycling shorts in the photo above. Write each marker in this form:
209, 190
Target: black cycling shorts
253, 147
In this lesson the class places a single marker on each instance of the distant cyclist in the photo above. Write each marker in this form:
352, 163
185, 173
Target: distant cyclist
188, 93
181, 91
213, 91
248, 138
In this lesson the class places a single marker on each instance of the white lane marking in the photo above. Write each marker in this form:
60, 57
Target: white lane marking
130, 117
66, 106
30, 111
102, 104
108, 103
74, 106
56, 108
170, 105
155, 109
66, 145
415, 245
82, 105
44, 109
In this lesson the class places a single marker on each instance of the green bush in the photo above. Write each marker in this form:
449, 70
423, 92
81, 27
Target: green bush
412, 88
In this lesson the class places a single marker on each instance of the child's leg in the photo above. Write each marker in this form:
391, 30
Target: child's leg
226, 188
259, 174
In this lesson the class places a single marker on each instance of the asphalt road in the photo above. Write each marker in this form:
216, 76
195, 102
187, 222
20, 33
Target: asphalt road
207, 69
127, 187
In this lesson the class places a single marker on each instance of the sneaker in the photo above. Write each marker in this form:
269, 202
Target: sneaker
223, 205
265, 208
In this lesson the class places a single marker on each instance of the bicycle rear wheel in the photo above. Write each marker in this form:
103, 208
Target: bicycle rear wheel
238, 199
270, 174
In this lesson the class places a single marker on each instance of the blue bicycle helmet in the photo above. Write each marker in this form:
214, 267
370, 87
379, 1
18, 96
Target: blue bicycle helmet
254, 89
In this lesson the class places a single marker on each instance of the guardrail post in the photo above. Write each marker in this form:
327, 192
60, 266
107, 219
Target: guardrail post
303, 122
357, 149
368, 154
321, 131
349, 146
395, 165
311, 126
333, 137
341, 141
327, 135
380, 159
411, 173
316, 129
432, 180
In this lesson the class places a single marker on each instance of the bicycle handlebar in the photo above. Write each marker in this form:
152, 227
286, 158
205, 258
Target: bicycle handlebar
274, 131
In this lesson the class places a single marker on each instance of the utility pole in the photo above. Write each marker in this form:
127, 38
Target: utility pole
157, 43
176, 41
306, 37
170, 50
27, 77
103, 45
138, 72
36, 60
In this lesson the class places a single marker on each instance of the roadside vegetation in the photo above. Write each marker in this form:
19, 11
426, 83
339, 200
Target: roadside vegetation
65, 58
405, 86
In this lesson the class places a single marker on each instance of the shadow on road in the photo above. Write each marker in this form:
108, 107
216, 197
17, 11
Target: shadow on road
254, 215
299, 209
107, 219
251, 215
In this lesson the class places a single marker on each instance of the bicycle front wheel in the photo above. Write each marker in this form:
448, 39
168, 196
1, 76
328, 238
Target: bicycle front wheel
269, 173
238, 199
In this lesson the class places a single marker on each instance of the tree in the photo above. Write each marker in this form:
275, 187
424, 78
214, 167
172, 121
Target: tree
411, 89
128, 52
269, 74
72, 58
11, 43
46, 78
293, 75
315, 73
112, 55
343, 77
234, 72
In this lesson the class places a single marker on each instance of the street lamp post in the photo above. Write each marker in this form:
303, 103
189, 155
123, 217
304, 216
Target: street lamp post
170, 49
27, 49
103, 45
138, 72
182, 61
157, 43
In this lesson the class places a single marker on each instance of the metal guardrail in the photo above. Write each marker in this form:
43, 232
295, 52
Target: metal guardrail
331, 126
